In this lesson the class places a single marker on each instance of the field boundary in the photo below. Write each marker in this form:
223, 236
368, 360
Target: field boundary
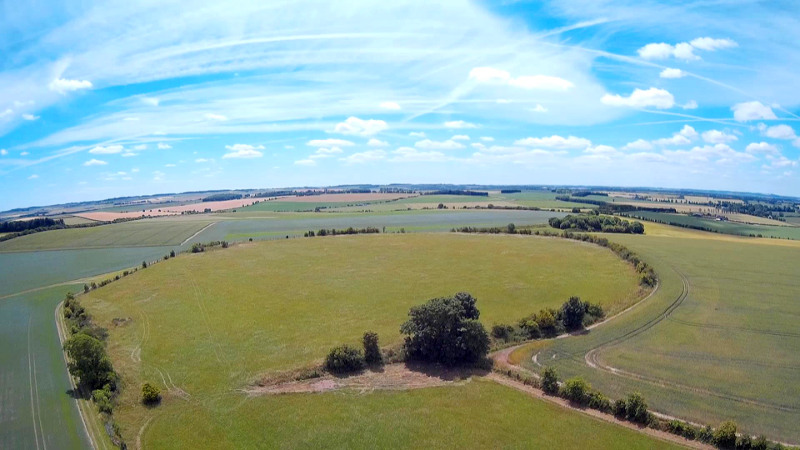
198, 232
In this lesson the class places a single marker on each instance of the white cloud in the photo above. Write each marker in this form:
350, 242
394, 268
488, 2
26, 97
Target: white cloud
638, 145
33, 177
94, 162
217, 117
305, 162
170, 165
129, 154
710, 44
684, 50
325, 152
131, 119
780, 132
691, 104
3, 152
360, 127
6, 113
329, 143
683, 137
605, 150
487, 139
152, 101
780, 162
163, 146
158, 175
502, 101
364, 157
202, 160
417, 134
459, 124
377, 143
135, 170
29, 117
408, 154
460, 137
754, 110
718, 137
109, 150
24, 154
658, 98
390, 105
555, 141
243, 151
762, 147
140, 147
62, 85
428, 144
718, 153
538, 109
498, 76
672, 73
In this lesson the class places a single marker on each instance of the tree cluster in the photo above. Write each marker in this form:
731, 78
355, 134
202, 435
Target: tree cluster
574, 314
335, 232
16, 226
446, 330
346, 358
222, 197
198, 247
605, 224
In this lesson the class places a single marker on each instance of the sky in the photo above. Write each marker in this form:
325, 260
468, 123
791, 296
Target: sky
107, 99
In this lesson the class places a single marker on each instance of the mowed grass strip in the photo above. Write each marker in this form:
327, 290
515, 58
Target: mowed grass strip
210, 323
480, 414
142, 233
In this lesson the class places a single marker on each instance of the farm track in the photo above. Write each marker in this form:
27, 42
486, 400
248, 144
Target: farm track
198, 232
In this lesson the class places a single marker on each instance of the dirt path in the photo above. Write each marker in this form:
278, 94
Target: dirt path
534, 392
198, 232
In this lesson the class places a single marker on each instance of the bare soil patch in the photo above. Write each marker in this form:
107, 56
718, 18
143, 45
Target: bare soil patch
167, 210
390, 377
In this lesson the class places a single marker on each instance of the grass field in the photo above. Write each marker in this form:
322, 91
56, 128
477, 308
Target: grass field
286, 314
541, 199
35, 411
140, 233
728, 347
741, 229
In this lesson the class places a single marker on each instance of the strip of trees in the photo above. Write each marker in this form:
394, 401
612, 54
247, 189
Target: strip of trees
605, 224
335, 232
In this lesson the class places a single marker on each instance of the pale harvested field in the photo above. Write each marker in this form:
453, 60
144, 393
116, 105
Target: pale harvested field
342, 198
169, 211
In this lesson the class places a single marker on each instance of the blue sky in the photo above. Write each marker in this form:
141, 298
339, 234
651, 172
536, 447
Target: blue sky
104, 99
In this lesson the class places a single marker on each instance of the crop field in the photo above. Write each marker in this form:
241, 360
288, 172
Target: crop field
741, 229
286, 315
276, 206
141, 233
717, 341
540, 199
35, 411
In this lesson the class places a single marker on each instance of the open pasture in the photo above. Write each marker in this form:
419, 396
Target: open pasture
140, 233
204, 325
540, 199
728, 227
717, 341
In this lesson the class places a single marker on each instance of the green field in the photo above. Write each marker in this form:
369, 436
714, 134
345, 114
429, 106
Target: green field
140, 233
212, 323
297, 206
741, 229
725, 347
540, 199
35, 410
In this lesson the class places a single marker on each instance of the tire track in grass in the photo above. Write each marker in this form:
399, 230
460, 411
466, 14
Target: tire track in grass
31, 382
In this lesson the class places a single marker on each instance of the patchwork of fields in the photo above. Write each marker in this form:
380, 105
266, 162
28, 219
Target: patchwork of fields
184, 312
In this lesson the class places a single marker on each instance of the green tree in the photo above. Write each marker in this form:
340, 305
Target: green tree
572, 312
636, 408
151, 394
550, 381
344, 358
372, 352
576, 390
88, 361
446, 330
725, 435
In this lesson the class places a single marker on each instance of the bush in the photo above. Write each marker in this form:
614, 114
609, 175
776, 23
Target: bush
102, 398
706, 434
150, 394
576, 390
744, 443
725, 435
619, 409
372, 352
344, 359
88, 361
503, 332
636, 408
550, 381
598, 401
760, 443
572, 312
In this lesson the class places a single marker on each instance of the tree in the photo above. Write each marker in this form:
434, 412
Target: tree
725, 435
511, 228
150, 394
576, 390
550, 381
144, 264
88, 361
572, 313
446, 330
636, 408
343, 359
372, 353
85, 288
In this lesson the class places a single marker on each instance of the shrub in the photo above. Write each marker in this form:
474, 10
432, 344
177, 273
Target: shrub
636, 408
572, 312
598, 401
172, 253
550, 381
150, 394
745, 442
502, 332
102, 398
144, 264
344, 359
706, 434
760, 443
725, 435
576, 390
372, 352
619, 409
